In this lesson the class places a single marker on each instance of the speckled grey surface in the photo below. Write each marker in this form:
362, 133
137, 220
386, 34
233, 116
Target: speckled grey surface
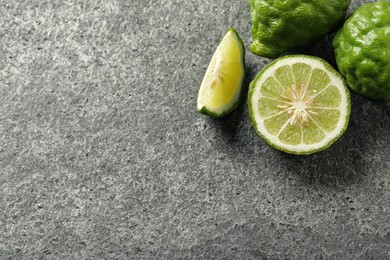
102, 155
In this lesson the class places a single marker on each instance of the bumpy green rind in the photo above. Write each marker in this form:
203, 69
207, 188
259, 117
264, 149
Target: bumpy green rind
280, 26
229, 110
362, 50
252, 87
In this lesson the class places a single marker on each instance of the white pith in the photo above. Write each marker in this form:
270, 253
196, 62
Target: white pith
215, 69
300, 106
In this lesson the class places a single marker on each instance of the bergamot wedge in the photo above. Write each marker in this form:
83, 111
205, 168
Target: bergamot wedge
221, 88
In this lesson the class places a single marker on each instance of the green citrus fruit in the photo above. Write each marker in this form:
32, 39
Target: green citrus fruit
299, 104
362, 49
220, 91
279, 26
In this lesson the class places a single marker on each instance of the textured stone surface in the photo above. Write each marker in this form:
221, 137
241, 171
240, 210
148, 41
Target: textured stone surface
102, 155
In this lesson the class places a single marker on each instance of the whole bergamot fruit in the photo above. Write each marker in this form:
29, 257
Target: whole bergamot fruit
279, 26
362, 49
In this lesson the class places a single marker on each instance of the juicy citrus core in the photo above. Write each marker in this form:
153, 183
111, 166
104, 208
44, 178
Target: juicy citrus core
299, 104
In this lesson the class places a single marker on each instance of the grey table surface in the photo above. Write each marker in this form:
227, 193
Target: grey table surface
102, 155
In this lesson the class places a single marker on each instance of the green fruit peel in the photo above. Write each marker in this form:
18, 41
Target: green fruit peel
362, 50
279, 26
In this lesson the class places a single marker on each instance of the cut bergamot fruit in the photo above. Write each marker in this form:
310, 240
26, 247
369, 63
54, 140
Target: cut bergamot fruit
220, 90
299, 104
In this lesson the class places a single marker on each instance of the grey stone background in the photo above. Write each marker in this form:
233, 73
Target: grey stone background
102, 155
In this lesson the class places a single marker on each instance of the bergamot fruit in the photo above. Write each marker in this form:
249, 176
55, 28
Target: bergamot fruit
299, 104
362, 49
279, 26
221, 88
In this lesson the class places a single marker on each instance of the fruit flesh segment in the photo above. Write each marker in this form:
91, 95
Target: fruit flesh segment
299, 105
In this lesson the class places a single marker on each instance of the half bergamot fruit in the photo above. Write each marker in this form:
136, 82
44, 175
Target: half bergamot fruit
221, 88
299, 104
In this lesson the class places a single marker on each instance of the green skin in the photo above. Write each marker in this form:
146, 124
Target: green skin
362, 49
279, 25
228, 110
